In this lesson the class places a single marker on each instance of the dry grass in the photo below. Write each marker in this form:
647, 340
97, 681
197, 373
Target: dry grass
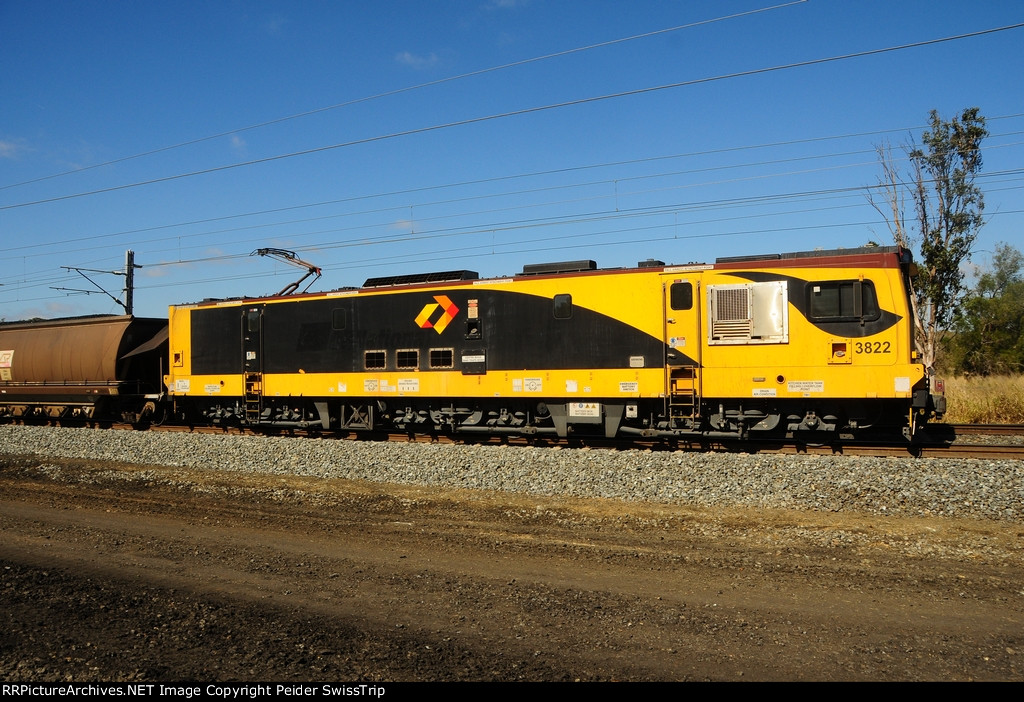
995, 399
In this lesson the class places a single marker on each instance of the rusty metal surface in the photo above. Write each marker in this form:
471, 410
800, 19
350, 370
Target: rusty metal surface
84, 351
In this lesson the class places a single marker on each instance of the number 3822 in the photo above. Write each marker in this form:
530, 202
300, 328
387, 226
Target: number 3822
872, 347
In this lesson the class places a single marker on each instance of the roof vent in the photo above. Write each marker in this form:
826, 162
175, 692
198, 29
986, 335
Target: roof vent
559, 267
417, 278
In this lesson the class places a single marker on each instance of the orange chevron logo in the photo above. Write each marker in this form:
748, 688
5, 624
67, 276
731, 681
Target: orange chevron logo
449, 310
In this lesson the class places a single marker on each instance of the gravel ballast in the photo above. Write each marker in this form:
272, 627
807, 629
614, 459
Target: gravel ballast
894, 486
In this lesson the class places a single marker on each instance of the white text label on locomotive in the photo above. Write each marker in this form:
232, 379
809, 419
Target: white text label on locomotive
901, 384
629, 386
584, 409
211, 388
408, 385
182, 385
806, 386
533, 384
764, 392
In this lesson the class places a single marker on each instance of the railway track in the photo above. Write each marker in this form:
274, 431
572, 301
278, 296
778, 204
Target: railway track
985, 429
944, 444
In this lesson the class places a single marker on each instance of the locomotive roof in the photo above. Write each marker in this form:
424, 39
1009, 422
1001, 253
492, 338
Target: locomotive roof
866, 256
831, 253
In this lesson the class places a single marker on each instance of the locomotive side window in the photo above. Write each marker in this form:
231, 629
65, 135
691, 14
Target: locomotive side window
562, 306
375, 360
842, 301
681, 296
407, 359
442, 358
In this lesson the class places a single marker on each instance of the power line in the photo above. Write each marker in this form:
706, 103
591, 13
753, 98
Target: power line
407, 89
483, 181
517, 113
589, 218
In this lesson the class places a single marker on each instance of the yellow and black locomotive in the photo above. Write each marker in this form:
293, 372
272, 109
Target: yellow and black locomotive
809, 344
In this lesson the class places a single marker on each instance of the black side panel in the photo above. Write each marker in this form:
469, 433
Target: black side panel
797, 291
522, 332
514, 331
217, 340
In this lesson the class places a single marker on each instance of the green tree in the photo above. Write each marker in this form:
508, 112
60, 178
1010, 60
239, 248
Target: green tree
947, 216
990, 324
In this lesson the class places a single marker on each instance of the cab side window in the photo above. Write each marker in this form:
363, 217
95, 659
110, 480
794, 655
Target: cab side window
680, 296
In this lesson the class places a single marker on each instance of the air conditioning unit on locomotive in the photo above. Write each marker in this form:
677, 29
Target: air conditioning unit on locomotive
748, 313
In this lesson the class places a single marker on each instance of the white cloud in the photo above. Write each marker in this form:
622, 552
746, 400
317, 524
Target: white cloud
506, 4
274, 24
12, 149
62, 309
407, 58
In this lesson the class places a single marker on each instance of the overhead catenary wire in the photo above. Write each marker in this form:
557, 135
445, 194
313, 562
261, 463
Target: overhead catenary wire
423, 189
518, 113
578, 218
399, 91
678, 207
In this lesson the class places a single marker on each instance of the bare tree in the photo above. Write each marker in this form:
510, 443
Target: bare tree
947, 215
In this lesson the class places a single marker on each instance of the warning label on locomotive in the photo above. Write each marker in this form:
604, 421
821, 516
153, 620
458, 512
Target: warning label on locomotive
629, 386
6, 358
533, 384
408, 385
806, 386
584, 409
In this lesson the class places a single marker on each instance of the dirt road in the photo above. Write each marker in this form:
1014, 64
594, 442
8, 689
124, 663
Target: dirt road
119, 572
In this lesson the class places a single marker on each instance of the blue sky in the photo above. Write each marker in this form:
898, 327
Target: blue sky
429, 160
